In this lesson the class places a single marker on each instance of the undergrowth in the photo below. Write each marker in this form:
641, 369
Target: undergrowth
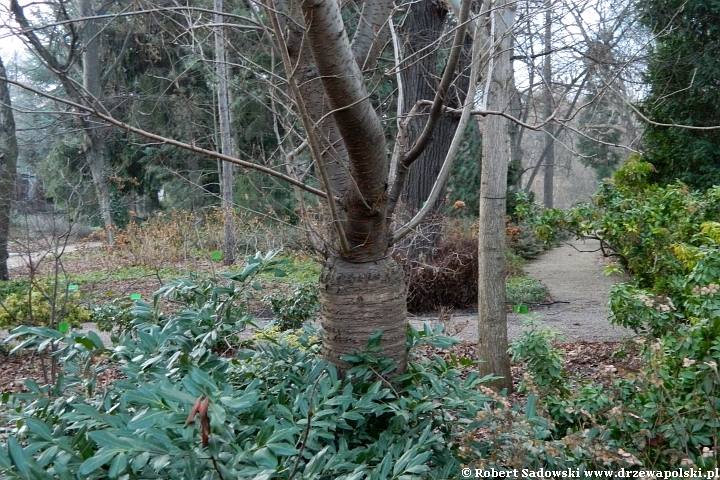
164, 402
667, 237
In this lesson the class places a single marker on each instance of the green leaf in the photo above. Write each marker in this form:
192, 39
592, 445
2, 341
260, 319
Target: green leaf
108, 440
530, 407
265, 458
19, 457
148, 418
5, 462
101, 457
282, 449
84, 341
240, 403
443, 342
202, 379
118, 465
142, 396
39, 428
96, 340
139, 462
316, 462
173, 395
160, 462
383, 470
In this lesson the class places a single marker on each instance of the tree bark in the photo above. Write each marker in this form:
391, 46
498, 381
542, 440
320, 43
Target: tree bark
94, 141
549, 178
362, 291
422, 28
358, 300
226, 185
492, 315
357, 122
8, 169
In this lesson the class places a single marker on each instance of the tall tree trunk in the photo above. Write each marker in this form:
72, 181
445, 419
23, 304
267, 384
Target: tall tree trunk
492, 315
94, 141
423, 27
8, 171
226, 185
515, 132
548, 189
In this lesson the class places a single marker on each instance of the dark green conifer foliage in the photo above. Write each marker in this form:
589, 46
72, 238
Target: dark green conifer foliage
684, 77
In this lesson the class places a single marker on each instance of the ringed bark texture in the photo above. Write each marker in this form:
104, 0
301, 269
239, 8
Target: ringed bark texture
357, 300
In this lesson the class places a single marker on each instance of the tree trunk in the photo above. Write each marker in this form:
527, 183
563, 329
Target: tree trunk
94, 154
548, 189
515, 132
358, 300
226, 185
8, 172
492, 314
94, 141
423, 27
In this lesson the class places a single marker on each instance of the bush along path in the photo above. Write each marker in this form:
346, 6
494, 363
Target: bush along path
574, 274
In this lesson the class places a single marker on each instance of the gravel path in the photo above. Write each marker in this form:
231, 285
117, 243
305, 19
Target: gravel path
574, 275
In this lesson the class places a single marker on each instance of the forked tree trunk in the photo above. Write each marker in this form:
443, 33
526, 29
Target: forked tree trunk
362, 291
8, 163
359, 299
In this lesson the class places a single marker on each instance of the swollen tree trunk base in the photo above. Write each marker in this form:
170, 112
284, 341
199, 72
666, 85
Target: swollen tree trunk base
357, 300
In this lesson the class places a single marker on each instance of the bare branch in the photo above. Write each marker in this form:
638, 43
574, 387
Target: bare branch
107, 118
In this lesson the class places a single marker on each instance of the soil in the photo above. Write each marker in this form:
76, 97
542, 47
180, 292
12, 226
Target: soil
577, 308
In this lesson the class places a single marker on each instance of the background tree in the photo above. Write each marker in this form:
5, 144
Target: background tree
226, 174
61, 57
548, 99
683, 72
499, 20
423, 29
8, 171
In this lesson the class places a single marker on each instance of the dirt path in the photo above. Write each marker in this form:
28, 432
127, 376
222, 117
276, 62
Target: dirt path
22, 260
574, 275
